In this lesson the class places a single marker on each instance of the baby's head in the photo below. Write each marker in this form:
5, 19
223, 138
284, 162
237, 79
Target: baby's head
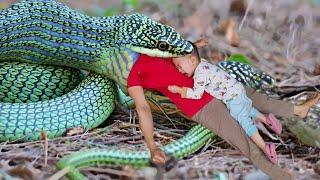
188, 64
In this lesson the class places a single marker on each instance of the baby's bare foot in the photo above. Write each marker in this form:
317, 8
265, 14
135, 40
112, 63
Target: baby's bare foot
302, 110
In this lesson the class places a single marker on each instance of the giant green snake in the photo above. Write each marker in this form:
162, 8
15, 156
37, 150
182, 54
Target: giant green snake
48, 35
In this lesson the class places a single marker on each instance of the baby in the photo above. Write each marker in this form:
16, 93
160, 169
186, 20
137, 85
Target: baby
218, 83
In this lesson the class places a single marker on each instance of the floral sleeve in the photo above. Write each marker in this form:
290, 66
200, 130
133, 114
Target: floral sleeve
198, 88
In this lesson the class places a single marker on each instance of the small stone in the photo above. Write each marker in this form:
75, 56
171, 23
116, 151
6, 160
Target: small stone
276, 36
149, 172
219, 176
238, 7
300, 20
256, 175
316, 168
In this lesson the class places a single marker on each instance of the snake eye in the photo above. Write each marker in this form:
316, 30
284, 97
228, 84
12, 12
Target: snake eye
163, 46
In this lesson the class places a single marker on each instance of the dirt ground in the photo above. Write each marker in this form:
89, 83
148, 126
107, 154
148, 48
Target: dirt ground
280, 36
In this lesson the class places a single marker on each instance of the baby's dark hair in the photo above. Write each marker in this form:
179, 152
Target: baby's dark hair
195, 51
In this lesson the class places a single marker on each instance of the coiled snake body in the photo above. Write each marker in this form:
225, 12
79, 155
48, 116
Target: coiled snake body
39, 36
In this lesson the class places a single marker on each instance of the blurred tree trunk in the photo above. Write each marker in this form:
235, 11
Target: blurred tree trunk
303, 132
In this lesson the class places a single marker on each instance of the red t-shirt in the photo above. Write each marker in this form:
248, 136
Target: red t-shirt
154, 73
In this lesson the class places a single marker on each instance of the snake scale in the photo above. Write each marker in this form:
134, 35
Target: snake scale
43, 42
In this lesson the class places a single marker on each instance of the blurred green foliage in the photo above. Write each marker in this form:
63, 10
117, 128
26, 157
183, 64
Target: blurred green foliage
315, 2
126, 5
131, 3
111, 11
240, 58
2, 5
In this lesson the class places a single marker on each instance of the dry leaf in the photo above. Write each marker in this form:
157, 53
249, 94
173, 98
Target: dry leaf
217, 56
228, 27
25, 172
200, 21
124, 125
197, 23
43, 136
75, 131
317, 70
200, 43
231, 33
238, 7
135, 142
158, 135
316, 167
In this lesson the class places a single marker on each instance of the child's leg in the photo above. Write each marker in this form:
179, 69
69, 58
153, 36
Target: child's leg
216, 117
241, 110
255, 114
270, 120
261, 117
258, 140
267, 148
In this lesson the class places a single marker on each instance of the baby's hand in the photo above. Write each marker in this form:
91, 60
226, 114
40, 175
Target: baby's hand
201, 42
174, 89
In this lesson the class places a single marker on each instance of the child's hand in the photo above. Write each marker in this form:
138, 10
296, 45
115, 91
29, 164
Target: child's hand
157, 156
174, 89
201, 43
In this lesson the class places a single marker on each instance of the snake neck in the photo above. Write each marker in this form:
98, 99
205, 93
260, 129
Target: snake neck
48, 32
116, 65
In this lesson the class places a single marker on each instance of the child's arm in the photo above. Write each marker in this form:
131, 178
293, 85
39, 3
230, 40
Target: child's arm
191, 93
177, 89
146, 122
198, 87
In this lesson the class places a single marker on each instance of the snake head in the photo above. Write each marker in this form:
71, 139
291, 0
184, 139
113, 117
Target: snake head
144, 35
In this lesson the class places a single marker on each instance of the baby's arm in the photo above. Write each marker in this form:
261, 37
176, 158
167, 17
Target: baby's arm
198, 87
191, 93
177, 89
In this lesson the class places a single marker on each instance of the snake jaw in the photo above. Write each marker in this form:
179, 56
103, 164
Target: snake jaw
144, 35
150, 52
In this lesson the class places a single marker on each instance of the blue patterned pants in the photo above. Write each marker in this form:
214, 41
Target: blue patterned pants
241, 110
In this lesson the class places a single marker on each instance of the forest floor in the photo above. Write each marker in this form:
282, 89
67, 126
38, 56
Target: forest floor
280, 37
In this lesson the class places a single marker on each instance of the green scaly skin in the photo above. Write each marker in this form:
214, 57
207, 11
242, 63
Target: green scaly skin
50, 33
31, 20
26, 83
47, 32
183, 147
86, 106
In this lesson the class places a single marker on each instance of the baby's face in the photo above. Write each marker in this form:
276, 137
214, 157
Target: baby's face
184, 65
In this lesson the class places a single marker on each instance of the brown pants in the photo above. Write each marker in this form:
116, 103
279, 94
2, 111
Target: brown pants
216, 117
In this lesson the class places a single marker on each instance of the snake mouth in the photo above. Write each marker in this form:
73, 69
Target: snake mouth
158, 53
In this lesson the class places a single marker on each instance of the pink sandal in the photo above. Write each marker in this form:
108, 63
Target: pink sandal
270, 151
273, 123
